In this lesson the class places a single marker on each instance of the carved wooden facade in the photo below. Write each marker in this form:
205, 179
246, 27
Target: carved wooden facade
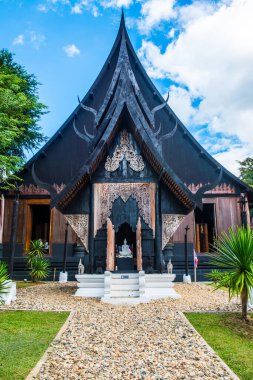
123, 163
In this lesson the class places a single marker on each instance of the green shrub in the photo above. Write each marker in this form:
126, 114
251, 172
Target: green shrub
234, 254
39, 269
37, 264
4, 278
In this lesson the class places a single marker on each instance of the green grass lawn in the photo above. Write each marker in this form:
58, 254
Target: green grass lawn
229, 337
24, 337
26, 284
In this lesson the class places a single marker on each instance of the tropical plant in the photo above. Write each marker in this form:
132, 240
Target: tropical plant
37, 264
233, 252
4, 278
39, 269
37, 249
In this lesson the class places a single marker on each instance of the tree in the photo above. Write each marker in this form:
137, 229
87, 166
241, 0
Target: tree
246, 170
20, 112
234, 254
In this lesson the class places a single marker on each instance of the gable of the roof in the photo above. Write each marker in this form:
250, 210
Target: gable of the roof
73, 152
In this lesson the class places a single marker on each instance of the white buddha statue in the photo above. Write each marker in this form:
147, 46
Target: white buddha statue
125, 250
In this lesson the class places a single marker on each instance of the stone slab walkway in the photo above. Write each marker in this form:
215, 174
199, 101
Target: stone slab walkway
148, 341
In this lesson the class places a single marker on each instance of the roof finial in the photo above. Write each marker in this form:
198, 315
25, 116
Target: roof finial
122, 21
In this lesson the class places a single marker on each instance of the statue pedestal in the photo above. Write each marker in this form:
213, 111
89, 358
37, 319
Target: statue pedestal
125, 264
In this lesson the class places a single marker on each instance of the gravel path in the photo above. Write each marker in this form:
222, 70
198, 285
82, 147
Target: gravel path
148, 341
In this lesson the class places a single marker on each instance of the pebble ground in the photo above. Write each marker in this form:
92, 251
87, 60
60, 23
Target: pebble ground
148, 342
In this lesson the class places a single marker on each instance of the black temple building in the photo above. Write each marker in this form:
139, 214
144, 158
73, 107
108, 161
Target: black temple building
122, 167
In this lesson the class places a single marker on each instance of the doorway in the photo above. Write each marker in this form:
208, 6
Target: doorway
125, 264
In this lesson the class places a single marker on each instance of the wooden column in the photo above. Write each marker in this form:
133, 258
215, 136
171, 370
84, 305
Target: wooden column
138, 245
91, 229
110, 261
158, 245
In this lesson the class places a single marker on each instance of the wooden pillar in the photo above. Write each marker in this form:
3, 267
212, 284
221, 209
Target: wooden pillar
158, 246
110, 254
91, 230
14, 226
138, 245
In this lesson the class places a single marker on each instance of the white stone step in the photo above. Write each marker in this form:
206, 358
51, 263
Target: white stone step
91, 285
124, 293
125, 281
124, 286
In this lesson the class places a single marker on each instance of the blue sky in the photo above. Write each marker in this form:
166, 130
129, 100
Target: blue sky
199, 50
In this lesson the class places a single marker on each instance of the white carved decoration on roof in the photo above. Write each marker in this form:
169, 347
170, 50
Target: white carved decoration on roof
106, 193
80, 224
170, 223
124, 150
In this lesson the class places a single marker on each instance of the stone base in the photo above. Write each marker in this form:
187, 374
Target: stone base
63, 278
11, 293
90, 285
187, 279
127, 288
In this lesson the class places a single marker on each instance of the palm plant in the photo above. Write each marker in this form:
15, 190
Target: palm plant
37, 264
37, 249
4, 278
39, 269
233, 252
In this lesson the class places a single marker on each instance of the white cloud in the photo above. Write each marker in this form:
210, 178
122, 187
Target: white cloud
71, 50
116, 3
19, 40
181, 102
213, 59
229, 158
77, 9
155, 11
36, 39
52, 5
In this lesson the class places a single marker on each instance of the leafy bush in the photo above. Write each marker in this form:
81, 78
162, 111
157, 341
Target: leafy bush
234, 254
37, 264
4, 278
39, 269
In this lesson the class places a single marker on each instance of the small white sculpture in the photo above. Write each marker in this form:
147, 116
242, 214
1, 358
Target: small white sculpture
125, 250
170, 267
80, 267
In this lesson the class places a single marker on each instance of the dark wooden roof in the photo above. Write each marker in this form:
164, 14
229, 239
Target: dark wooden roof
74, 152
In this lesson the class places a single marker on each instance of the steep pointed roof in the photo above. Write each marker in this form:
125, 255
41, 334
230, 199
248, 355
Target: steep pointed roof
124, 86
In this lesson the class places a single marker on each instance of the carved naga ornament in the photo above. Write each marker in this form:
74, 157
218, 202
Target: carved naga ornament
124, 151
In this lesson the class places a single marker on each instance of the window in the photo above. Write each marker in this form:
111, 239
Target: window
205, 227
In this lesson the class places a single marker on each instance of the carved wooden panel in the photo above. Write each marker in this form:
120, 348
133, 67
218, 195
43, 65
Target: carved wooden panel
80, 224
106, 193
124, 151
170, 223
35, 190
223, 188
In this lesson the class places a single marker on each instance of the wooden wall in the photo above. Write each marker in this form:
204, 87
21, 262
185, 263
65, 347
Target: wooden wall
228, 213
57, 222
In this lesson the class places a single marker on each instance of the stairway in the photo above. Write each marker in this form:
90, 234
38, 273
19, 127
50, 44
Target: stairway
126, 288
124, 285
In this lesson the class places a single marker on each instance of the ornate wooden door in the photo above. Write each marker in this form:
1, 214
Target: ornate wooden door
110, 254
138, 245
